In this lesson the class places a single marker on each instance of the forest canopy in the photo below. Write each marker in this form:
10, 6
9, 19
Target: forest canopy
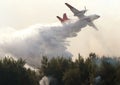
94, 70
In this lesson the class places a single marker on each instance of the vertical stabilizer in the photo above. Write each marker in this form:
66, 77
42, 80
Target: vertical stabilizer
65, 18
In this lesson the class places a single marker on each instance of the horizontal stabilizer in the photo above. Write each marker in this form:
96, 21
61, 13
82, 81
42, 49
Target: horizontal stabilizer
60, 18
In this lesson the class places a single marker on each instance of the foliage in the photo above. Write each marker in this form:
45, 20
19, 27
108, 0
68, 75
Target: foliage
93, 70
55, 67
14, 73
90, 71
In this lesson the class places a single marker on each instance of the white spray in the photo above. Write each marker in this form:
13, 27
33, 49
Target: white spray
38, 40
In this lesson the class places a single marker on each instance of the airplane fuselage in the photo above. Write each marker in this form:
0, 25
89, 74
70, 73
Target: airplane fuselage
90, 17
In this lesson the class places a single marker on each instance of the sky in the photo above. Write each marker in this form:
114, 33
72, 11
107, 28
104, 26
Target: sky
23, 13
20, 14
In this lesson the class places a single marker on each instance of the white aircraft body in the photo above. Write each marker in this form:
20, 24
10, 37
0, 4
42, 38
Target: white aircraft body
80, 14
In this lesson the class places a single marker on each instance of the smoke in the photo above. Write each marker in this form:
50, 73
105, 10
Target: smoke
39, 40
44, 81
105, 42
48, 80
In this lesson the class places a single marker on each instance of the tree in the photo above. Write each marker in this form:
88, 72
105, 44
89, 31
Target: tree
90, 71
84, 70
14, 73
107, 73
72, 77
55, 67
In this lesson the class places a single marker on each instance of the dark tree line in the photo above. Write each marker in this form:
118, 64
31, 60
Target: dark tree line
93, 70
13, 72
90, 71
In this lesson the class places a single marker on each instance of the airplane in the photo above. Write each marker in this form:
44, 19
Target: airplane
80, 14
64, 19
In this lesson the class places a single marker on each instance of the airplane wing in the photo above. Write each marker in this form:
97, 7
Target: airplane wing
76, 12
92, 25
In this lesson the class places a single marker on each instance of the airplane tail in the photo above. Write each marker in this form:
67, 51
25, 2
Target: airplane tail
60, 19
65, 18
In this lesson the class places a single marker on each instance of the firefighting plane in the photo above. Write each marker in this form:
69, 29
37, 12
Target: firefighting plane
80, 14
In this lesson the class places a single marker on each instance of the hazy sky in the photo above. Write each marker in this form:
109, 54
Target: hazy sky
23, 13
20, 14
